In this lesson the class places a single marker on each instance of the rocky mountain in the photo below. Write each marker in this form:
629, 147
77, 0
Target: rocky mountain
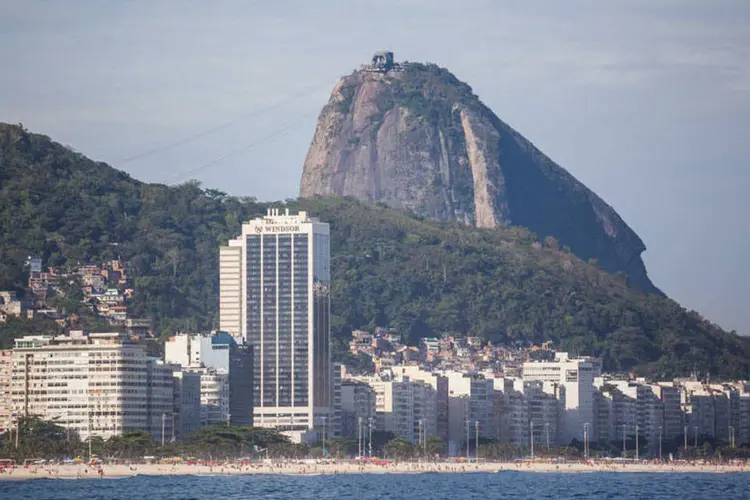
415, 137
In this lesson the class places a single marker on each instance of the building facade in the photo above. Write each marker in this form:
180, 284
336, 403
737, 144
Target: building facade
470, 409
358, 406
101, 384
439, 385
214, 408
274, 285
404, 407
218, 356
576, 376
187, 402
6, 376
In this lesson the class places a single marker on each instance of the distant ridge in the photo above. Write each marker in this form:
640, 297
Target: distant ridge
389, 268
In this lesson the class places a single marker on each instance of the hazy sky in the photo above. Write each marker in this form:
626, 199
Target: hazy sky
646, 102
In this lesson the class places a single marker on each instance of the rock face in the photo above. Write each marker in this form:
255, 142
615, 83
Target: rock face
419, 139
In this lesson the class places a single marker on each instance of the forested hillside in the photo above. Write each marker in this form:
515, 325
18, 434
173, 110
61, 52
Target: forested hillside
389, 268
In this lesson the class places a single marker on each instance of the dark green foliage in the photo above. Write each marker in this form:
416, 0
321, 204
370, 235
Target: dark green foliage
45, 439
234, 440
389, 268
434, 446
59, 204
341, 447
17, 327
399, 449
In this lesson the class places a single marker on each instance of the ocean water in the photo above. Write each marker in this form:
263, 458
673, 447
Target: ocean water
397, 486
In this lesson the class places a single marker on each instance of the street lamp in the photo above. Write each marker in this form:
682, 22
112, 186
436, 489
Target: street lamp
731, 436
370, 422
17, 421
624, 442
419, 434
476, 437
359, 438
468, 441
546, 429
324, 434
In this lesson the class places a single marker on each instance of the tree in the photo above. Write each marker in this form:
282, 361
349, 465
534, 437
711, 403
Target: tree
399, 449
38, 438
341, 447
434, 447
236, 440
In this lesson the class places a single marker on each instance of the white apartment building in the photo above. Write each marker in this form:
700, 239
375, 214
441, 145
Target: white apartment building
6, 375
698, 409
403, 406
358, 406
741, 413
619, 397
213, 354
509, 411
672, 424
543, 403
214, 393
635, 411
274, 286
439, 385
470, 409
521, 407
101, 384
723, 396
576, 376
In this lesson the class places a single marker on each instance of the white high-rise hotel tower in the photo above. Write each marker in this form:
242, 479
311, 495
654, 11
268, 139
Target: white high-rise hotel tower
274, 295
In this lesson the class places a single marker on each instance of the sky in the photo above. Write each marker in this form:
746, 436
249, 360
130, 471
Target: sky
646, 102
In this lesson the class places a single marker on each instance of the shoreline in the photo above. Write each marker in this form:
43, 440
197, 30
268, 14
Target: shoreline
81, 471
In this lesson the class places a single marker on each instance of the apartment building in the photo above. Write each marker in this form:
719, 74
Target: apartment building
217, 357
358, 406
403, 406
439, 385
576, 376
98, 384
274, 294
470, 408
6, 375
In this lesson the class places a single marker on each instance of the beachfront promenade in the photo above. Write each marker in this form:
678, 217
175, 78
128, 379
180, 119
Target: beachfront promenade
82, 471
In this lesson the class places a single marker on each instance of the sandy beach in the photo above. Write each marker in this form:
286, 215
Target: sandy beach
81, 471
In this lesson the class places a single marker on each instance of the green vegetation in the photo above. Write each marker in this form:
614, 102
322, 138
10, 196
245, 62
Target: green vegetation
17, 327
389, 267
429, 93
46, 440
